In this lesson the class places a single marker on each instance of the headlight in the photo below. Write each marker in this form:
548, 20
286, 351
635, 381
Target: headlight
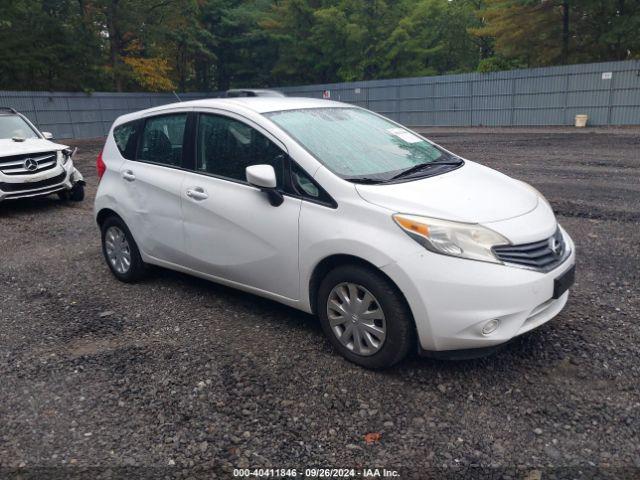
65, 155
464, 240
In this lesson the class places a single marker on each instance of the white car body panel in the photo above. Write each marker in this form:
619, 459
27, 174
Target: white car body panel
471, 194
235, 237
30, 145
236, 234
153, 203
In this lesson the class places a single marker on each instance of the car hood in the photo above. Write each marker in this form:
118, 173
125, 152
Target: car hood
30, 145
472, 193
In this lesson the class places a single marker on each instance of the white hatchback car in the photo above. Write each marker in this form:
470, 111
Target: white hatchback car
394, 242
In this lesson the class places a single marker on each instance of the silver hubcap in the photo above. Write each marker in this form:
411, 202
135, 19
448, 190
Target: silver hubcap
118, 250
356, 318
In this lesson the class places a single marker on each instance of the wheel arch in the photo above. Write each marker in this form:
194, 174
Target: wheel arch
105, 213
332, 261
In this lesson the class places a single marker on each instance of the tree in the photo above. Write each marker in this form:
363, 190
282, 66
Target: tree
432, 38
45, 44
551, 32
206, 45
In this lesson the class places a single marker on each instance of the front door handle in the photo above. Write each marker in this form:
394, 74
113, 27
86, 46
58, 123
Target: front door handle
197, 193
128, 175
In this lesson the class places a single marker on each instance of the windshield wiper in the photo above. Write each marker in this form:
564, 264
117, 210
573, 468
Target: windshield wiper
417, 168
365, 180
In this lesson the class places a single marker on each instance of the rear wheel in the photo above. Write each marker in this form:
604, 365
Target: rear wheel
121, 252
365, 317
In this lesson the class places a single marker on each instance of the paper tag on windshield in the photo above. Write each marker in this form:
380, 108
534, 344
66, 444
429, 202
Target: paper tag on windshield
405, 135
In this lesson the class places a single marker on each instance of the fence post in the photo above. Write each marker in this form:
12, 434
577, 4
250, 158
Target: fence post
35, 111
512, 110
567, 121
71, 118
471, 104
610, 106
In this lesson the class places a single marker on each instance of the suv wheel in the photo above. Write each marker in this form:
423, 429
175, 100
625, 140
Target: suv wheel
121, 252
365, 317
76, 194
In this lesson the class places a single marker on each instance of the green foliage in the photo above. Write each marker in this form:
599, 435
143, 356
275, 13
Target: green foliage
497, 64
206, 45
550, 32
43, 46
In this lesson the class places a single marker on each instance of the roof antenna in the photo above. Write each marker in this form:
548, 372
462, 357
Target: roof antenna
179, 99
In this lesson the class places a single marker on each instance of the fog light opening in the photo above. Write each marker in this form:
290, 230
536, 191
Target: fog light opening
490, 327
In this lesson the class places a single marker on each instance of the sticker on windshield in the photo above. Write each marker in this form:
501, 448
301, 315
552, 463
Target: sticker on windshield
405, 135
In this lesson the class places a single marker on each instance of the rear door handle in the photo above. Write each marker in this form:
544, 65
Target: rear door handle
197, 193
128, 175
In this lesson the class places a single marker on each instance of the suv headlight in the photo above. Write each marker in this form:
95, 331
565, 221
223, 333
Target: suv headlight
464, 240
65, 155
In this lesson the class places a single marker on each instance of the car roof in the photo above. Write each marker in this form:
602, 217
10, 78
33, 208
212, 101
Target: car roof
256, 104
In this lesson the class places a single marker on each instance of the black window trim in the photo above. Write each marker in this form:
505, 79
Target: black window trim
330, 203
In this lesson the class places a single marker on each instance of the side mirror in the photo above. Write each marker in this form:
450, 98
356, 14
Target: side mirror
264, 177
47, 135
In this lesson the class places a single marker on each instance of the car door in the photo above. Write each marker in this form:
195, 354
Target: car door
153, 185
231, 230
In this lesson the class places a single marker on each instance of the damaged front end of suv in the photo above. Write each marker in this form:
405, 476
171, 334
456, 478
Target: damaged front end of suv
31, 165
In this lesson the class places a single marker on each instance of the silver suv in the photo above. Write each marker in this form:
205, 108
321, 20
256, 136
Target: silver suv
31, 165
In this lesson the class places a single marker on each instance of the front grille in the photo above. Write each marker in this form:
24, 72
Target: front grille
28, 164
543, 255
25, 187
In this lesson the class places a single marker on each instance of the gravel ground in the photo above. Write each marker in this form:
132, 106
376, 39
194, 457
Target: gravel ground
184, 377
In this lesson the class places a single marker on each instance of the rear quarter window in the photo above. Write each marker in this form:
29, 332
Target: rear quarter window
126, 137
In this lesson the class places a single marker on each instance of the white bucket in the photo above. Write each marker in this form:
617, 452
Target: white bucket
581, 120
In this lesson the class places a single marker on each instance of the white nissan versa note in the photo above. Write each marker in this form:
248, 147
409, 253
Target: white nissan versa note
394, 242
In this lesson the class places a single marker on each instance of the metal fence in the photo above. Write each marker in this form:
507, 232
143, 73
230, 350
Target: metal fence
608, 92
81, 115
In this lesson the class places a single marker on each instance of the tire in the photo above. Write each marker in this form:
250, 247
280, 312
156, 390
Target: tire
118, 245
76, 194
396, 322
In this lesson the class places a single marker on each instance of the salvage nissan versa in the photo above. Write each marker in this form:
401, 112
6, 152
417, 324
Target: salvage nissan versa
392, 241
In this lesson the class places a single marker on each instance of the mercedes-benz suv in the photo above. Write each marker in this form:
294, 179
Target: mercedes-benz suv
31, 165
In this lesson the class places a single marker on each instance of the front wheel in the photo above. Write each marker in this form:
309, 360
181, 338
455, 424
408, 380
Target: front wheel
76, 194
365, 317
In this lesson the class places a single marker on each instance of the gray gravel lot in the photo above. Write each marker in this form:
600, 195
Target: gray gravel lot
181, 374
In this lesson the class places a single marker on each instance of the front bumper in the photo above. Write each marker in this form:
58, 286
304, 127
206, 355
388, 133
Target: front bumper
452, 299
61, 178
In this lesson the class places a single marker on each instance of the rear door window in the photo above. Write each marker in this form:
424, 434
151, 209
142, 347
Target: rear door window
126, 136
162, 140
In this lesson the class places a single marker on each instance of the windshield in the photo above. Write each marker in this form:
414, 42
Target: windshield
14, 126
357, 144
